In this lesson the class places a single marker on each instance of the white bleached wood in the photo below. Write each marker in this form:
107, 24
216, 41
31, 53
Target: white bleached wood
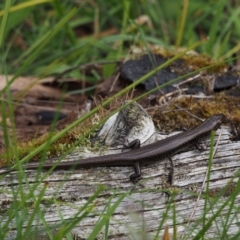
142, 211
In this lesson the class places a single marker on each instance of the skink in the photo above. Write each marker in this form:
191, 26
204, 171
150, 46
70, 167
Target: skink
143, 155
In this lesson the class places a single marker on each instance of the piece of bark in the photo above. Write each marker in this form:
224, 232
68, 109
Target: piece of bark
36, 106
141, 211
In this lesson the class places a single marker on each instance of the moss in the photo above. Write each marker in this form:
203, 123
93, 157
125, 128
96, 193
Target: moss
62, 145
176, 117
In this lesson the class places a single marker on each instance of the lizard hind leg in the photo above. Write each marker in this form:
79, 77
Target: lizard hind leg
136, 176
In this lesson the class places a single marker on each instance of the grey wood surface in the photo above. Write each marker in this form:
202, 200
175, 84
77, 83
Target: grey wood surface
142, 211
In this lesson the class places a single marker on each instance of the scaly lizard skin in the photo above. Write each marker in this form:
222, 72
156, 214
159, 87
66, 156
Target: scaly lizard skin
141, 155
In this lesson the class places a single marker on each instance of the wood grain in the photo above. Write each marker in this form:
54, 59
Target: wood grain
141, 211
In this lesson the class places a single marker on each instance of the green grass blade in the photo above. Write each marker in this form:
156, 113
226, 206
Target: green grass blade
85, 210
105, 103
26, 4
182, 22
4, 21
35, 211
104, 220
217, 213
40, 47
